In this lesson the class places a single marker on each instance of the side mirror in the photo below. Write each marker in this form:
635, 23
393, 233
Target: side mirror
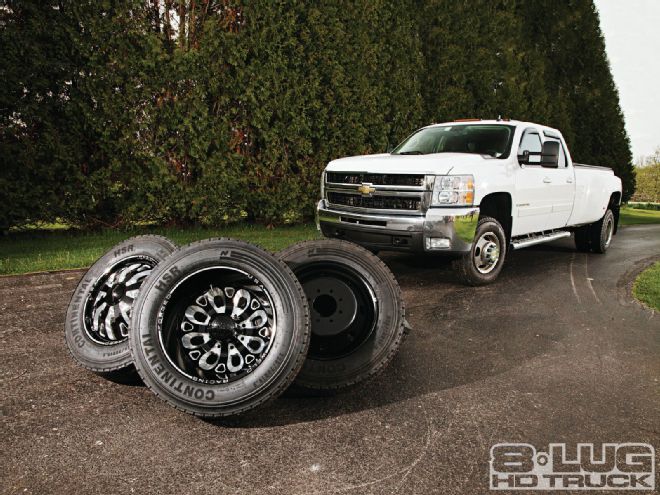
550, 154
523, 159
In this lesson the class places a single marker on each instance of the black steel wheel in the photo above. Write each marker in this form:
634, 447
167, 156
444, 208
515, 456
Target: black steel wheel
357, 312
219, 328
98, 317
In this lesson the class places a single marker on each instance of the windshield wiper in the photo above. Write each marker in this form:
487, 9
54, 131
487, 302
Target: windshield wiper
410, 153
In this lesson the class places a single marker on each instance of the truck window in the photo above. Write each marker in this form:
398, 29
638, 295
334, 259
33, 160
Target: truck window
483, 139
562, 155
531, 141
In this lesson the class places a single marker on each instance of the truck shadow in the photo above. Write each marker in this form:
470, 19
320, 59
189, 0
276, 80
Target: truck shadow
460, 335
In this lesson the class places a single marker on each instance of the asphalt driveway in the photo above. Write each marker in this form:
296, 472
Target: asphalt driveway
555, 351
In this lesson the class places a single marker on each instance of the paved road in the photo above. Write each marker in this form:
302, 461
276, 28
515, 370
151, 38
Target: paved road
555, 351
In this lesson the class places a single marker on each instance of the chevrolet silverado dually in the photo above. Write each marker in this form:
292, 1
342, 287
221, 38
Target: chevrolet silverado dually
473, 189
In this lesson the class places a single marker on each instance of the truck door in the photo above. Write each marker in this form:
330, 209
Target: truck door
533, 201
562, 186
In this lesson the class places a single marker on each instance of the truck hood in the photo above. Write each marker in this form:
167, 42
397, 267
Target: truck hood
433, 164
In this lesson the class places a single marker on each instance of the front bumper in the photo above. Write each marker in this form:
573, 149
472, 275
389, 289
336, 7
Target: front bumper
449, 230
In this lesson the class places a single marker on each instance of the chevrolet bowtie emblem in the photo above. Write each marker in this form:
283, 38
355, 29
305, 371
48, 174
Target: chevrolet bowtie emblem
366, 189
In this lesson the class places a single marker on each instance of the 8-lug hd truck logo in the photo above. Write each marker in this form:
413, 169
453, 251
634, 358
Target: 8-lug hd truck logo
610, 466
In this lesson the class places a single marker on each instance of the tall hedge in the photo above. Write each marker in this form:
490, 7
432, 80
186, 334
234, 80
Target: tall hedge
214, 111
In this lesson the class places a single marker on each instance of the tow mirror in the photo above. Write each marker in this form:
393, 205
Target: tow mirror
550, 154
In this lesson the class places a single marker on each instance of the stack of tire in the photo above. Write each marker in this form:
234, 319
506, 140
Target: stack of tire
220, 326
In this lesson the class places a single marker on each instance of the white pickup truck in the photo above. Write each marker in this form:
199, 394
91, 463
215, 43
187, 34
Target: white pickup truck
473, 189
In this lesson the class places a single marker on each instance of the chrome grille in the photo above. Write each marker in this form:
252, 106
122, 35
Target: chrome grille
381, 179
375, 202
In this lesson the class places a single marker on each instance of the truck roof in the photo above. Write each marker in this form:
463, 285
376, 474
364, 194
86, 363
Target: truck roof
495, 122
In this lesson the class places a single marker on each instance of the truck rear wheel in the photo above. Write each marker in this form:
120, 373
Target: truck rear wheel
97, 320
219, 328
602, 232
596, 236
583, 238
357, 312
483, 263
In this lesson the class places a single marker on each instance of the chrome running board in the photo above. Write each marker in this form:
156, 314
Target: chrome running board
531, 240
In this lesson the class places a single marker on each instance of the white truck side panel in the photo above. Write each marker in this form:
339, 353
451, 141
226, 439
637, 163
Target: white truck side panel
594, 187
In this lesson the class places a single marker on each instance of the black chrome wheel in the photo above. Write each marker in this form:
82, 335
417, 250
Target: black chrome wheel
219, 328
97, 324
343, 308
218, 325
108, 305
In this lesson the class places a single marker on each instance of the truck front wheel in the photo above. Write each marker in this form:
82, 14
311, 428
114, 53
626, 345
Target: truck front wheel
483, 263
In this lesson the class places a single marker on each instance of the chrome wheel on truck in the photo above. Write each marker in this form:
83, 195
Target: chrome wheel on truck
483, 263
98, 317
486, 252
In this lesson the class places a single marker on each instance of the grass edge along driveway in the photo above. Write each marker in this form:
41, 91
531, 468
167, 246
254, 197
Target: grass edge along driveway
61, 248
647, 287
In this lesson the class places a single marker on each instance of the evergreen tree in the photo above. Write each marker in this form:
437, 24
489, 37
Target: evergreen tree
583, 97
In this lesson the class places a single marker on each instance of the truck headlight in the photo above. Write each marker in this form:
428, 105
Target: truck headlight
453, 190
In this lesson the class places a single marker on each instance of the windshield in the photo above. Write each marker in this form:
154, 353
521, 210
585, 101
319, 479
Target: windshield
482, 139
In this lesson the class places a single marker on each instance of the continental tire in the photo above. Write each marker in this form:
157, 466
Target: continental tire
483, 263
98, 316
219, 328
356, 308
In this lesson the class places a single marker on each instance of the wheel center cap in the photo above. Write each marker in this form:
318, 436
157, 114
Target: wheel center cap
490, 252
118, 292
222, 327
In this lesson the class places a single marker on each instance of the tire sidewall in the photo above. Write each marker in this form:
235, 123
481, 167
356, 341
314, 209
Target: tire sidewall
372, 354
273, 374
602, 239
87, 352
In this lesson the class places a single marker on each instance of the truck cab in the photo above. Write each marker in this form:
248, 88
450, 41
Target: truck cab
473, 189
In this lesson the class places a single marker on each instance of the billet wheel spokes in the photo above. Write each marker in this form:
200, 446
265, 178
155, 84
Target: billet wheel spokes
108, 306
224, 331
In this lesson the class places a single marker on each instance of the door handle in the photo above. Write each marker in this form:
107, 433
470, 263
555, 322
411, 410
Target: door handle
569, 180
547, 180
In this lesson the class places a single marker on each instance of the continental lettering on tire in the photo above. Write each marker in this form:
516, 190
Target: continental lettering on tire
169, 378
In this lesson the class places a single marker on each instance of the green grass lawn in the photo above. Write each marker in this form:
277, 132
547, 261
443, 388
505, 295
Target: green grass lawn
634, 216
647, 287
57, 249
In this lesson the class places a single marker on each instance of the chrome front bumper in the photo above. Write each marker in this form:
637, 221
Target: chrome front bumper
438, 230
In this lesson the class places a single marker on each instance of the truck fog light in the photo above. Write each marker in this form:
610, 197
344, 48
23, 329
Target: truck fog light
437, 243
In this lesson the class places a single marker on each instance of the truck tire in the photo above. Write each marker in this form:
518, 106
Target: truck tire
219, 328
357, 313
596, 236
98, 317
601, 233
483, 263
583, 238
